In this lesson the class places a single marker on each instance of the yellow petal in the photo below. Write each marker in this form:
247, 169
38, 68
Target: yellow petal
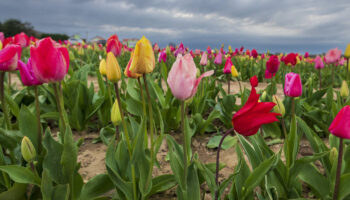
143, 61
112, 68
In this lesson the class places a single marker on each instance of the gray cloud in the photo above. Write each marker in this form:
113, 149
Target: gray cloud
277, 25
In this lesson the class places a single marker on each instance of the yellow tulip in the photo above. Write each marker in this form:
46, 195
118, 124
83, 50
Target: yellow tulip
116, 117
143, 61
234, 71
102, 67
0, 45
127, 71
112, 68
279, 107
347, 51
344, 89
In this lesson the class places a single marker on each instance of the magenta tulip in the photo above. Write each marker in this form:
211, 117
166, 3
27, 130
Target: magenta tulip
2, 37
9, 57
22, 39
254, 53
228, 65
50, 61
268, 75
306, 55
180, 50
218, 58
292, 85
27, 74
340, 126
273, 64
318, 63
182, 77
162, 56
333, 56
204, 59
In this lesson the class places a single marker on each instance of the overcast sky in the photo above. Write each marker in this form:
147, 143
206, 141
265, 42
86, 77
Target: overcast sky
277, 25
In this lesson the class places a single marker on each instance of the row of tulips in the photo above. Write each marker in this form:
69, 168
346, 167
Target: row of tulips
48, 169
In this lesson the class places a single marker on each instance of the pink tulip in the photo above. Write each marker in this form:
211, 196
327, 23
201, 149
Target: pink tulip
182, 77
209, 50
9, 57
254, 53
197, 52
50, 61
341, 124
273, 64
27, 74
341, 62
156, 48
218, 59
292, 85
162, 56
228, 65
204, 59
268, 75
114, 45
180, 50
319, 63
2, 37
306, 55
22, 39
333, 56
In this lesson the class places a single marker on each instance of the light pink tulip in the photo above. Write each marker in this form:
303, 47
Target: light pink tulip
218, 58
319, 63
204, 59
333, 56
182, 77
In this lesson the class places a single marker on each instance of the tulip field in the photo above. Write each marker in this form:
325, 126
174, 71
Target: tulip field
171, 122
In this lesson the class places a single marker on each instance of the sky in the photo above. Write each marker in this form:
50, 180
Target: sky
275, 25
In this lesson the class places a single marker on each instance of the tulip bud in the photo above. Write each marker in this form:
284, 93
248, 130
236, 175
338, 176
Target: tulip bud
71, 55
143, 61
102, 67
234, 71
279, 107
116, 117
198, 73
112, 68
344, 90
333, 155
263, 96
0, 45
27, 149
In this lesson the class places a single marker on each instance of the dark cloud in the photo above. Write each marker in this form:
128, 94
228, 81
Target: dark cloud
299, 25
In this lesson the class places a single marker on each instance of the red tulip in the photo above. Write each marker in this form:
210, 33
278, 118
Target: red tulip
8, 41
292, 85
268, 75
9, 57
22, 39
254, 53
228, 65
50, 61
114, 45
306, 55
290, 59
254, 81
340, 126
27, 74
248, 120
273, 64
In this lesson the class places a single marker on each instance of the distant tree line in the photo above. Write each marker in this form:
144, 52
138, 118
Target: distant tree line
12, 27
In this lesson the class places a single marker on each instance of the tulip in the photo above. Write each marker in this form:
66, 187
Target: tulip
162, 57
2, 37
116, 117
306, 55
292, 85
112, 68
344, 89
180, 49
319, 63
254, 81
340, 127
114, 45
248, 120
27, 149
27, 74
9, 57
21, 39
0, 45
103, 67
273, 64
234, 72
290, 59
347, 52
204, 59
279, 108
268, 75
218, 58
50, 61
182, 77
228, 65
143, 60
127, 71
333, 56
156, 48
254, 53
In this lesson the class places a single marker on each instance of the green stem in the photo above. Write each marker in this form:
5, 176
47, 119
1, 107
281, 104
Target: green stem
60, 109
332, 76
184, 140
37, 109
228, 83
127, 139
293, 107
3, 101
319, 74
150, 110
337, 177
240, 87
347, 68
142, 97
109, 91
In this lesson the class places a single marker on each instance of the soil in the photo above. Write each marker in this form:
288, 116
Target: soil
92, 155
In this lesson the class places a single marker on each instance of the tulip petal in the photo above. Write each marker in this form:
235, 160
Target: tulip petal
196, 83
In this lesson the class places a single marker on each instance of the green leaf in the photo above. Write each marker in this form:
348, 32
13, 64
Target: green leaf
228, 142
292, 143
344, 186
21, 174
162, 183
28, 125
69, 155
12, 104
46, 185
97, 186
193, 187
258, 174
61, 192
16, 192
